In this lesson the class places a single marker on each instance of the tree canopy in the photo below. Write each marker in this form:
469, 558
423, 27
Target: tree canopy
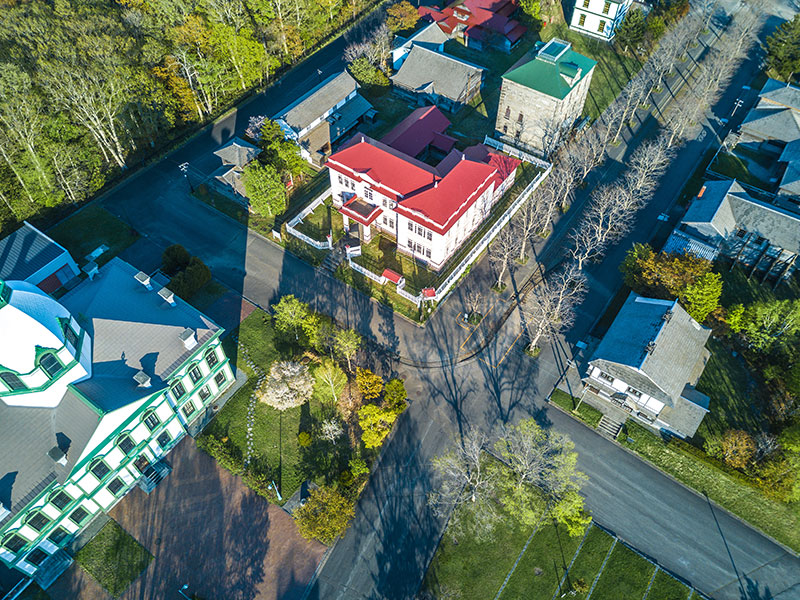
402, 15
264, 189
783, 50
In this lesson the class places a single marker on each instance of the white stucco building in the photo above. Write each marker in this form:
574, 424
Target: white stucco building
599, 18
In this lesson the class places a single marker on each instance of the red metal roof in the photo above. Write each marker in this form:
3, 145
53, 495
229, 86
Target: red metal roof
429, 292
504, 164
354, 208
493, 15
392, 276
414, 133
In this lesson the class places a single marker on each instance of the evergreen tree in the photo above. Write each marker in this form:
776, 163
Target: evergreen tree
702, 297
631, 33
264, 189
783, 50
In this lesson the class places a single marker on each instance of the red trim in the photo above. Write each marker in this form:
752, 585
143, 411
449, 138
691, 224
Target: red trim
369, 220
392, 276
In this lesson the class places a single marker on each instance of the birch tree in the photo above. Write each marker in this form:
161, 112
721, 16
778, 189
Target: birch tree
549, 309
502, 252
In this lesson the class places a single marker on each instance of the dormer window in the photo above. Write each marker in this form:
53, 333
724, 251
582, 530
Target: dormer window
50, 364
14, 543
634, 392
70, 335
126, 444
760, 240
606, 377
12, 381
60, 499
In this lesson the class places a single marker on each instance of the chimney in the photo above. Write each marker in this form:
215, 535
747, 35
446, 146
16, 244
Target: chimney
90, 269
167, 295
188, 338
144, 279
142, 379
58, 455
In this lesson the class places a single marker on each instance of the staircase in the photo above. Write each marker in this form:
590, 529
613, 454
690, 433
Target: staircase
153, 475
52, 568
334, 258
609, 427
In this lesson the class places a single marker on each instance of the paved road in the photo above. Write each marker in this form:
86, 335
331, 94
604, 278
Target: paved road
393, 536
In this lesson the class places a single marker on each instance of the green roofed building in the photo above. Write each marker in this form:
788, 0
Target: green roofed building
95, 389
543, 96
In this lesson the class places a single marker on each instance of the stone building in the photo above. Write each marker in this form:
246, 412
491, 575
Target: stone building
542, 96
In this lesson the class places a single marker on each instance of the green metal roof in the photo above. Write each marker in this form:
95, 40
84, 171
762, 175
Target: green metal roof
548, 72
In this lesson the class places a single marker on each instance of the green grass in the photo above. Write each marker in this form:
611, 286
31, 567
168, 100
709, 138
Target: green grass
591, 557
732, 389
612, 73
778, 520
391, 110
90, 228
761, 158
734, 167
113, 558
277, 451
588, 414
666, 587
322, 221
381, 253
625, 576
385, 294
551, 550
738, 289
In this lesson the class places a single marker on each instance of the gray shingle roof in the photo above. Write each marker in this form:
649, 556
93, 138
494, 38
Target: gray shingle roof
237, 152
428, 36
316, 102
132, 329
27, 434
778, 92
687, 414
654, 346
428, 71
26, 251
725, 206
777, 114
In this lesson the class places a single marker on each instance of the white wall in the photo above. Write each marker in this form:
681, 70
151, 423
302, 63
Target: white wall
593, 14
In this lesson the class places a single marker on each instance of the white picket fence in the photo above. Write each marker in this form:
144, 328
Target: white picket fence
290, 225
366, 272
516, 152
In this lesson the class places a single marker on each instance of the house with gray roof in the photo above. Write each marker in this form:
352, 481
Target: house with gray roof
29, 255
324, 114
542, 96
430, 36
648, 363
430, 77
95, 389
724, 219
235, 156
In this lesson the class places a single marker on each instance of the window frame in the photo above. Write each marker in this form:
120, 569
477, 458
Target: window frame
606, 7
220, 378
601, 27
164, 445
31, 561
188, 404
18, 384
52, 355
633, 392
126, 437
57, 529
29, 521
10, 537
177, 384
209, 353
119, 489
606, 377
97, 462
195, 374
56, 494
200, 393
582, 20
70, 334
146, 417
83, 519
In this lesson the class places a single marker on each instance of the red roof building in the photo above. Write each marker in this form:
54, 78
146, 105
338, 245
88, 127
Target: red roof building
479, 22
422, 128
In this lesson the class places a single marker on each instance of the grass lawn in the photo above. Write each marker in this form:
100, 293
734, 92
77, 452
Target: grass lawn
90, 228
612, 73
591, 557
733, 392
474, 570
778, 520
738, 289
391, 110
734, 167
625, 576
324, 219
589, 414
385, 294
381, 253
666, 587
113, 558
277, 450
551, 550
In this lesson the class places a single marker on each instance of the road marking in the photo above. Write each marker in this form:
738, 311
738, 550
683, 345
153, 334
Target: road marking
504, 355
461, 347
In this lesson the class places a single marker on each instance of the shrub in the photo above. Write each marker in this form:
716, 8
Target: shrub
325, 516
376, 423
289, 385
367, 74
175, 258
738, 448
186, 283
358, 467
304, 439
394, 395
369, 384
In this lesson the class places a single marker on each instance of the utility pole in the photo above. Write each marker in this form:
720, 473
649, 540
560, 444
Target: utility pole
184, 167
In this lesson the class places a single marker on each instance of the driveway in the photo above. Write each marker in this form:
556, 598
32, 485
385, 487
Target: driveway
205, 528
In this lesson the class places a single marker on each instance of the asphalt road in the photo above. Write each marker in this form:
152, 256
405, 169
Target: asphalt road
393, 536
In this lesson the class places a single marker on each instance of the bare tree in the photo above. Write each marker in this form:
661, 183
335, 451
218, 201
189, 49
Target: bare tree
585, 153
473, 299
467, 486
608, 218
646, 165
550, 307
526, 222
331, 430
631, 97
289, 384
503, 251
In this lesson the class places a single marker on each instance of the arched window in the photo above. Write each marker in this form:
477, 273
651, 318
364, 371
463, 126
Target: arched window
151, 420
178, 390
37, 520
211, 358
12, 381
50, 364
125, 443
14, 542
99, 469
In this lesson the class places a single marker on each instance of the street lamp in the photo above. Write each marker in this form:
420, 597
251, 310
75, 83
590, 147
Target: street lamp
737, 104
184, 167
181, 591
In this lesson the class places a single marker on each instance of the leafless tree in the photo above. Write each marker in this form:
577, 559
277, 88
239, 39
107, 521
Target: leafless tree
503, 251
376, 47
473, 299
766, 445
550, 306
744, 31
631, 97
609, 217
706, 9
467, 486
331, 430
526, 222
289, 384
583, 154
646, 165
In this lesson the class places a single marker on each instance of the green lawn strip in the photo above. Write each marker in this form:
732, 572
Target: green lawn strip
551, 550
277, 451
474, 569
613, 70
625, 576
222, 203
322, 221
113, 558
730, 386
734, 167
590, 558
588, 414
385, 294
90, 228
738, 289
778, 520
760, 158
666, 587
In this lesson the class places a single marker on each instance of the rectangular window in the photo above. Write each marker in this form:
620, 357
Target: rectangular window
601, 27
606, 8
151, 421
126, 444
428, 252
50, 365
391, 223
37, 557
178, 391
100, 469
505, 128
760, 240
581, 20
188, 409
634, 392
508, 112
204, 393
61, 500
79, 515
195, 375
740, 233
430, 236
410, 226
211, 359
38, 521
58, 535
368, 193
15, 543
385, 221
70, 335
340, 180
606, 377
164, 439
115, 485
519, 118
219, 378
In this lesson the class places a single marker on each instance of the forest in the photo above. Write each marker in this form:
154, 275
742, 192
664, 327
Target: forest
90, 88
